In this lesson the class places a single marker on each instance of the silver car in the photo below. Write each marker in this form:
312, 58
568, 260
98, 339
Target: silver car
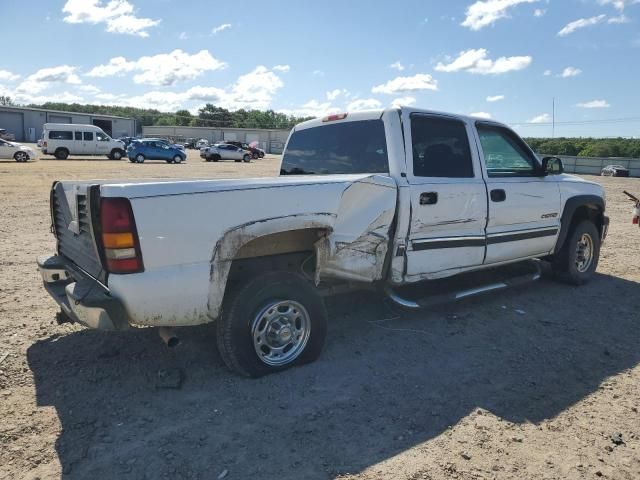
224, 151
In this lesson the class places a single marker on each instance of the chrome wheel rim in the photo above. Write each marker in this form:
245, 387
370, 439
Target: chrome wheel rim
21, 157
139, 159
280, 332
584, 253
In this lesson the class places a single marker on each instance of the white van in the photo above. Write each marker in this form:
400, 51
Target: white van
64, 139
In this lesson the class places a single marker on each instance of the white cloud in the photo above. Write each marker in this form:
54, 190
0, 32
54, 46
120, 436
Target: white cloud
364, 104
45, 77
333, 94
543, 118
483, 13
622, 18
594, 104
7, 76
162, 69
547, 73
397, 66
485, 115
539, 12
118, 15
618, 4
221, 28
570, 72
313, 108
403, 102
420, 81
581, 23
476, 61
183, 36
281, 68
90, 89
495, 98
318, 73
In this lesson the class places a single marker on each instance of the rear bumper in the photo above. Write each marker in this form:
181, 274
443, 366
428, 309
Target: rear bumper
80, 297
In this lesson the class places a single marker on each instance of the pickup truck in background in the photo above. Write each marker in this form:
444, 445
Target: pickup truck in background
381, 199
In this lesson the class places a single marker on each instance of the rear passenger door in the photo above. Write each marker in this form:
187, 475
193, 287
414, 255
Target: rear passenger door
448, 196
524, 206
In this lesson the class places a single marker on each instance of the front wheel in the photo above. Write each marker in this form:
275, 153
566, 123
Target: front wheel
177, 159
273, 322
577, 260
246, 158
116, 154
21, 157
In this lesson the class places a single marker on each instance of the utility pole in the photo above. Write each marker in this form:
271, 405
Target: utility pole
553, 118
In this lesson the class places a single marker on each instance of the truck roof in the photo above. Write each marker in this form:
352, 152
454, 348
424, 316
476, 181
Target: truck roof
378, 113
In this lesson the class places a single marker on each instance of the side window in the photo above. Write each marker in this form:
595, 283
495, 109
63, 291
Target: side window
60, 135
78, 135
88, 136
101, 137
440, 148
505, 155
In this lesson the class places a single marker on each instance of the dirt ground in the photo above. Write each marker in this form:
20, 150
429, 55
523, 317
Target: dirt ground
537, 383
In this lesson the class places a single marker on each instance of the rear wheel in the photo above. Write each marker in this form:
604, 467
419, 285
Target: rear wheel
577, 260
21, 157
271, 323
62, 154
139, 158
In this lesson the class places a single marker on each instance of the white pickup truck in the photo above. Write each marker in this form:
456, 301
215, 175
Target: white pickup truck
383, 199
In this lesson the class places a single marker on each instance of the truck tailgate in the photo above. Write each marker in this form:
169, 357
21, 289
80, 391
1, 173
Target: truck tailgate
71, 218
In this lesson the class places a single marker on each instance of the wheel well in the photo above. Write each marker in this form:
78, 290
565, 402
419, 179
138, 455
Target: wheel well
60, 149
592, 213
290, 250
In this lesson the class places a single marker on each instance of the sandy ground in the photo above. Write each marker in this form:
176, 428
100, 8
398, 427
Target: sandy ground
537, 383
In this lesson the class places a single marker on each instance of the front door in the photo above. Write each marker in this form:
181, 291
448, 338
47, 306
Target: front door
524, 206
448, 197
6, 150
89, 143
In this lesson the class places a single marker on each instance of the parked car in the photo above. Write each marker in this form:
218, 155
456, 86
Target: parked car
614, 171
149, 149
20, 153
166, 142
202, 143
225, 151
62, 140
255, 151
4, 135
380, 200
127, 140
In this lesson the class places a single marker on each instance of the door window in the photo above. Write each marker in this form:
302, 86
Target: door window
88, 136
440, 148
505, 155
78, 135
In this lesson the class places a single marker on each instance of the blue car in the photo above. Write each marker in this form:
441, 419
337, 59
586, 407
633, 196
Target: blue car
144, 149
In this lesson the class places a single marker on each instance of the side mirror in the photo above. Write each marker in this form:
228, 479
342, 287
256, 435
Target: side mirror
552, 166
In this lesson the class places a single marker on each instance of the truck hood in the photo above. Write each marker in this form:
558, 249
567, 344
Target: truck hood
165, 187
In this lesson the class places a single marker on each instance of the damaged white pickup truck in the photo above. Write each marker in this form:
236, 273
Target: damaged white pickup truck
382, 199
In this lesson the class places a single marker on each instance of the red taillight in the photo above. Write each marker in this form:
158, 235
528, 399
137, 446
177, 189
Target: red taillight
635, 220
336, 116
119, 236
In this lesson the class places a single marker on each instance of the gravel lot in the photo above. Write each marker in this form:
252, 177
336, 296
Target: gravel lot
541, 382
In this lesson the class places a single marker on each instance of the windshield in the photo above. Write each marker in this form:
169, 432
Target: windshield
348, 147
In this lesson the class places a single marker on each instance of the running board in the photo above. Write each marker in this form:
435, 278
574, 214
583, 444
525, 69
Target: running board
438, 299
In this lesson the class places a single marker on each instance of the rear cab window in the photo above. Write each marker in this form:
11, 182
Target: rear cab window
342, 148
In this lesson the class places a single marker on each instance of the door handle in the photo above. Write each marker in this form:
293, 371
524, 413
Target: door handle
498, 195
428, 198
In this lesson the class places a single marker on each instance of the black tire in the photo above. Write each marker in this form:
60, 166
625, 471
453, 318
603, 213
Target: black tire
62, 154
177, 159
140, 158
255, 155
565, 262
116, 154
246, 158
244, 303
21, 157
215, 158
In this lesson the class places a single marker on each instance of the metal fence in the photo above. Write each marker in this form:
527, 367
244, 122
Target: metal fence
594, 165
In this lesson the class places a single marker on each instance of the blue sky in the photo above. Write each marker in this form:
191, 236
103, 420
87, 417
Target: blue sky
501, 58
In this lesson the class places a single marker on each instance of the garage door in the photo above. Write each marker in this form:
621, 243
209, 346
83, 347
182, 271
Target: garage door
13, 122
59, 119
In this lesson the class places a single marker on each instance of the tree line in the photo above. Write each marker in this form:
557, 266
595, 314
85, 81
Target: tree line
587, 147
208, 116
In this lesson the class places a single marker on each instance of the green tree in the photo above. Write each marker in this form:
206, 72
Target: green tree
183, 118
6, 100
